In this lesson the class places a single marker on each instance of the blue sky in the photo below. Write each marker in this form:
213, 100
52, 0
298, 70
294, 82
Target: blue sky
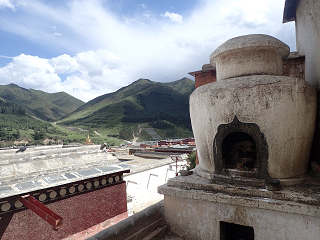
91, 47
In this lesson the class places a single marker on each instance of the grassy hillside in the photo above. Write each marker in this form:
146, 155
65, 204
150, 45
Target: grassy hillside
123, 114
46, 106
108, 99
153, 103
142, 102
184, 86
15, 124
17, 128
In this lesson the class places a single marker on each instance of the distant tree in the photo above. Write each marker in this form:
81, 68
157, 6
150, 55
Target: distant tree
192, 160
17, 135
39, 134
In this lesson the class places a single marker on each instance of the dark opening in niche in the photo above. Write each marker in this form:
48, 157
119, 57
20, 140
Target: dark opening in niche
229, 157
239, 152
231, 231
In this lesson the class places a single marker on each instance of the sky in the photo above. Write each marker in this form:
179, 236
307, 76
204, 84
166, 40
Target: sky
88, 48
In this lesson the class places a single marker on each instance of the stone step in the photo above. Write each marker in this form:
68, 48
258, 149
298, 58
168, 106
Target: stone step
171, 236
157, 234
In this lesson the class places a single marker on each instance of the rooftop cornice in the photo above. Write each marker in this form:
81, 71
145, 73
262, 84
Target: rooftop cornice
289, 12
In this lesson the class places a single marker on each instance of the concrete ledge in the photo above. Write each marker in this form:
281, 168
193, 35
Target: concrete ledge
253, 182
299, 200
194, 219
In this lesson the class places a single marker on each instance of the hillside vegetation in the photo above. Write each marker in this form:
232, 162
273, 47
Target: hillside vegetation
45, 106
164, 106
15, 124
17, 128
184, 86
124, 114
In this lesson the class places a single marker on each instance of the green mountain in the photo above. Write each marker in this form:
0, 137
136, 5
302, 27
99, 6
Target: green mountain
14, 122
183, 86
10, 108
161, 105
46, 106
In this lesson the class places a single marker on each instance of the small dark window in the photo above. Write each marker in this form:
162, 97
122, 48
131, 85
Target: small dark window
239, 152
231, 231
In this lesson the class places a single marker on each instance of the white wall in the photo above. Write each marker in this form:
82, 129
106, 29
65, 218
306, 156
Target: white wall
308, 37
144, 194
196, 219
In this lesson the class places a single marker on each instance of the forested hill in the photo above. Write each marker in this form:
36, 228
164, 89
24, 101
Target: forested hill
184, 86
14, 121
122, 114
161, 105
10, 108
46, 106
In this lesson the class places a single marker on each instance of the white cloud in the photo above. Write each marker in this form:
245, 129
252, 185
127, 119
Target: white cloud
29, 71
246, 13
94, 63
90, 73
127, 19
174, 17
6, 56
12, 4
7, 3
64, 64
55, 34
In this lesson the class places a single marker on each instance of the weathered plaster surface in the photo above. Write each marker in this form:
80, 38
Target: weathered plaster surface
197, 219
236, 63
196, 187
284, 108
308, 37
249, 55
294, 66
194, 208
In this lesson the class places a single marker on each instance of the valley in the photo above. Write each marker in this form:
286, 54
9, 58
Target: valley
34, 117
